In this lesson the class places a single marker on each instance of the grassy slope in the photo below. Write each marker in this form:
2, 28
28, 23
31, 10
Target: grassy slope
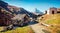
53, 20
25, 29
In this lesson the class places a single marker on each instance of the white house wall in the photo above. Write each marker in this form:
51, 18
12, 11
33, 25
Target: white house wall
47, 11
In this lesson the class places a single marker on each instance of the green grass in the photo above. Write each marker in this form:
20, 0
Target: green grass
54, 20
25, 29
51, 19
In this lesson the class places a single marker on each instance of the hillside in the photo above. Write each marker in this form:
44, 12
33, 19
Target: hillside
53, 20
16, 10
5, 17
25, 29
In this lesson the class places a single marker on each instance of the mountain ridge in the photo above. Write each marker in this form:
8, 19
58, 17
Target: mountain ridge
16, 10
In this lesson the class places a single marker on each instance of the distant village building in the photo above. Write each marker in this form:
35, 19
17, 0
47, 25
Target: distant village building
52, 10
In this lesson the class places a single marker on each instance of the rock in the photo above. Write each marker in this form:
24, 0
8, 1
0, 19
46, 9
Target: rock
10, 27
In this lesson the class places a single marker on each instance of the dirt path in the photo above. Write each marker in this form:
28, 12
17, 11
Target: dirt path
37, 28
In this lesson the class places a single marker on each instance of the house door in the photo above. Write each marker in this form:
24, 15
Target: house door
53, 12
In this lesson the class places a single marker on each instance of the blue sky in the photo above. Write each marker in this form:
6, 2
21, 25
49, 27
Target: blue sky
30, 5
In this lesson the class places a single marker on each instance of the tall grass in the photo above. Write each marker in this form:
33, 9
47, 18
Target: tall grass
25, 29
